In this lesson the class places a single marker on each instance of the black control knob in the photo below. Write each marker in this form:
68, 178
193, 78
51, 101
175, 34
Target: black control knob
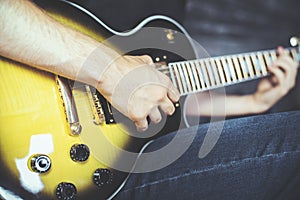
102, 177
79, 152
66, 191
40, 163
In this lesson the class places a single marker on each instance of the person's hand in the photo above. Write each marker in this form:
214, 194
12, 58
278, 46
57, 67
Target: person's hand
283, 76
134, 87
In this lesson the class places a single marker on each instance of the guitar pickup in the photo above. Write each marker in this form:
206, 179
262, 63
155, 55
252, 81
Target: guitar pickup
98, 113
107, 109
101, 108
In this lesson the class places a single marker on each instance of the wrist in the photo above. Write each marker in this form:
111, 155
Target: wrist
94, 64
113, 71
117, 70
256, 105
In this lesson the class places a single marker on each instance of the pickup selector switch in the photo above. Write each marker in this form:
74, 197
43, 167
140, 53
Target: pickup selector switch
40, 163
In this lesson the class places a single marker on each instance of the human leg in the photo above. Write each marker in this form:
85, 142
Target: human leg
255, 158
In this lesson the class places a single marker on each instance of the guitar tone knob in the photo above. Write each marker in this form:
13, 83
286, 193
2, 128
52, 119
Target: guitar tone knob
79, 152
102, 177
40, 163
66, 191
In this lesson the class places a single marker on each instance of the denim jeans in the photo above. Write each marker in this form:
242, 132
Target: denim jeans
256, 157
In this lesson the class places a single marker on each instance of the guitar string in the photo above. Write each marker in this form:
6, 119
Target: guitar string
244, 67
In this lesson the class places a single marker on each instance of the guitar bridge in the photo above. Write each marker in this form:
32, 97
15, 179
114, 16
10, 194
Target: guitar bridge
69, 104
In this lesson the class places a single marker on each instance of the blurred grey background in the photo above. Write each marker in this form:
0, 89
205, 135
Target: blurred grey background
233, 26
220, 26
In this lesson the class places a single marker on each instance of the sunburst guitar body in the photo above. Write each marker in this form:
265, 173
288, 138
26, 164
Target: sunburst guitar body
51, 150
60, 139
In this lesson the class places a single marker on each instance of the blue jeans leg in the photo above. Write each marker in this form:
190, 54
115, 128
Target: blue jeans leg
255, 158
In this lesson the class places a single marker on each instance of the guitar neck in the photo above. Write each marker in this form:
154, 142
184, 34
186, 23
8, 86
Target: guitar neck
210, 73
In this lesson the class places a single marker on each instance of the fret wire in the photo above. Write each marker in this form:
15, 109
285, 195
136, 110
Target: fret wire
255, 62
273, 56
191, 75
262, 63
225, 67
234, 78
266, 55
195, 75
202, 81
183, 78
210, 74
178, 78
176, 81
187, 77
215, 71
242, 63
205, 73
249, 65
220, 69
171, 74
237, 68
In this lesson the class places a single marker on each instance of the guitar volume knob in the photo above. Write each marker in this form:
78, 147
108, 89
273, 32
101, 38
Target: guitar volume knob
40, 163
102, 177
79, 152
66, 191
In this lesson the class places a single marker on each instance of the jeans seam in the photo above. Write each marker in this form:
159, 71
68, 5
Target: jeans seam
210, 168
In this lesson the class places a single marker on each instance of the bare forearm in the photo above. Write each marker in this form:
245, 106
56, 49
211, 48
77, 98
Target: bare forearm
242, 105
30, 36
212, 104
269, 92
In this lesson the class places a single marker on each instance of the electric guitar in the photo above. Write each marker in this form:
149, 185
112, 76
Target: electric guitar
60, 139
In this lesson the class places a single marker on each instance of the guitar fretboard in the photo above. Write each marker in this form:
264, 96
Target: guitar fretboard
210, 73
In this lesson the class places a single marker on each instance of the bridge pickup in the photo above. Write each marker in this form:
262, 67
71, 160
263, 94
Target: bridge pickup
107, 108
98, 113
101, 108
